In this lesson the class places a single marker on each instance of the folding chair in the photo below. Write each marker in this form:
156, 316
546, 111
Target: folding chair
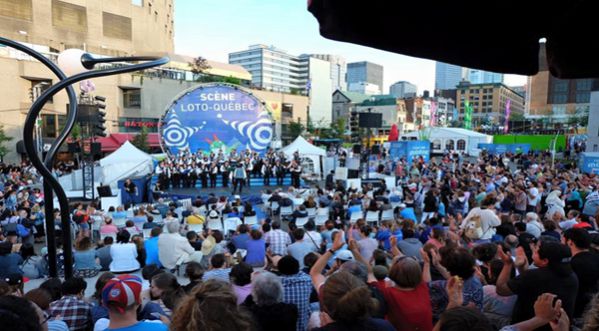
147, 233
299, 222
311, 212
197, 228
372, 217
387, 215
251, 220
286, 211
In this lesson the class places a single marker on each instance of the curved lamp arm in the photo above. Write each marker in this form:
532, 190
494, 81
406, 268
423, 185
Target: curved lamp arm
28, 129
49, 159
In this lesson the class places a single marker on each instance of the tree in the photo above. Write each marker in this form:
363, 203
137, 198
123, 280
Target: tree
3, 138
141, 140
76, 131
199, 65
295, 129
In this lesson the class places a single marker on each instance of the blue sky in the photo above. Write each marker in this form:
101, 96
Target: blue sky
214, 28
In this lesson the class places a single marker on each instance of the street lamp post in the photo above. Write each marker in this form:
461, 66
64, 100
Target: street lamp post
74, 63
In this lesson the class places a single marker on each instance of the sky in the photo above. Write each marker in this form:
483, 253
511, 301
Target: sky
214, 28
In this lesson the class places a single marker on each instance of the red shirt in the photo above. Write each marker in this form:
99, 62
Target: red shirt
409, 310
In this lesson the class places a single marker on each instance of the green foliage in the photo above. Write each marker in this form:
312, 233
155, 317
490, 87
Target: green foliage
3, 138
199, 65
76, 131
517, 117
295, 129
141, 140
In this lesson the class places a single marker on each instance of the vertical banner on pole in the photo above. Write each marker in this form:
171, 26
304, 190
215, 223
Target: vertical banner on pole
506, 126
467, 115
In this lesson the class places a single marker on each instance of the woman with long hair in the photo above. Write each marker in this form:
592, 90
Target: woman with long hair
87, 264
212, 306
33, 266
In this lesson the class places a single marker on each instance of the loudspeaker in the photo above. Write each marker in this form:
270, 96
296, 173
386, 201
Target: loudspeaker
357, 149
96, 148
351, 174
74, 148
104, 191
376, 149
371, 120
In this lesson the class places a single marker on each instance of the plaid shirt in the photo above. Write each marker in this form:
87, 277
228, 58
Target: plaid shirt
278, 241
73, 311
297, 290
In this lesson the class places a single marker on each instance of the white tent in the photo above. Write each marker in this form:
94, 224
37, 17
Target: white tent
447, 139
126, 162
306, 151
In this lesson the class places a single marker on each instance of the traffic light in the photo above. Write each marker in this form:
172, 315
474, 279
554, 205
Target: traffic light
99, 117
354, 128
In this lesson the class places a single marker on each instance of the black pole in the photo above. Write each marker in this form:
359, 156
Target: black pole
28, 129
49, 159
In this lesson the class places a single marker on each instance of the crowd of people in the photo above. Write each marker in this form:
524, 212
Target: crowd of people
235, 169
499, 243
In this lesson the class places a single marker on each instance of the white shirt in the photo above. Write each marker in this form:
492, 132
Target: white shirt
171, 248
316, 237
124, 257
488, 221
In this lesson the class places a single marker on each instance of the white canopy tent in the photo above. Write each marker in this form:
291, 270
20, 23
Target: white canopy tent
126, 162
307, 151
450, 139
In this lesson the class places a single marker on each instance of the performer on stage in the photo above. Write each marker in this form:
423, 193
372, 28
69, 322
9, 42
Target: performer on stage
239, 177
266, 172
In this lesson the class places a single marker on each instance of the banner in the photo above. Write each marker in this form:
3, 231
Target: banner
467, 115
410, 150
589, 163
275, 110
216, 117
505, 148
433, 120
508, 111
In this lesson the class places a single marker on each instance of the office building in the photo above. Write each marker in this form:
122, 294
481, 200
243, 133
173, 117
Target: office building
448, 76
476, 76
488, 102
403, 89
338, 70
364, 72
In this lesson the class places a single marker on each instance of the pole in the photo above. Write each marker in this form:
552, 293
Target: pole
50, 182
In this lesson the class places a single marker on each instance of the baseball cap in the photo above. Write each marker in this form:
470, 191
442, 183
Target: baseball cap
344, 255
15, 279
122, 292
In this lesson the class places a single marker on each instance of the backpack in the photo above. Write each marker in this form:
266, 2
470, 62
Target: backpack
22, 231
474, 228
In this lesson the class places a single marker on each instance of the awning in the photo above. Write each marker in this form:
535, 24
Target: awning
500, 36
116, 140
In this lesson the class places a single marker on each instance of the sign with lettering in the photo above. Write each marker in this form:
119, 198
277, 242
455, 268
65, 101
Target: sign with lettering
410, 150
216, 117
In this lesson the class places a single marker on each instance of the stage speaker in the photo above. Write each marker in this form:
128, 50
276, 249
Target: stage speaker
357, 149
104, 191
376, 149
351, 174
371, 120
74, 148
96, 148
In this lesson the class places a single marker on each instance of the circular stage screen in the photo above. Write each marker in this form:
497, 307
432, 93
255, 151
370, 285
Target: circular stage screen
213, 118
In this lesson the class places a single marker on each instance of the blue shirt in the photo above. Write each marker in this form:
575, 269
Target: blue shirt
85, 260
240, 241
300, 249
384, 235
297, 289
408, 213
220, 274
143, 326
9, 264
256, 252
151, 246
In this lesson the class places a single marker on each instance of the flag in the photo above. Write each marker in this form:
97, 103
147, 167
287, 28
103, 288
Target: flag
508, 111
467, 115
308, 85
433, 120
456, 114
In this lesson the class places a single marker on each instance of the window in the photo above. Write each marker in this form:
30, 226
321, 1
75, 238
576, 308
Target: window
583, 97
461, 145
69, 16
16, 9
52, 124
116, 26
560, 85
449, 145
139, 3
437, 144
583, 84
560, 98
39, 86
132, 98
595, 148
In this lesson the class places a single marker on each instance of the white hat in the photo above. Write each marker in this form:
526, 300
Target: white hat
534, 191
344, 255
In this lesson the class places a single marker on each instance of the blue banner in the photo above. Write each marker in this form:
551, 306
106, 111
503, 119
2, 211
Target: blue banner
505, 148
410, 150
589, 163
213, 118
